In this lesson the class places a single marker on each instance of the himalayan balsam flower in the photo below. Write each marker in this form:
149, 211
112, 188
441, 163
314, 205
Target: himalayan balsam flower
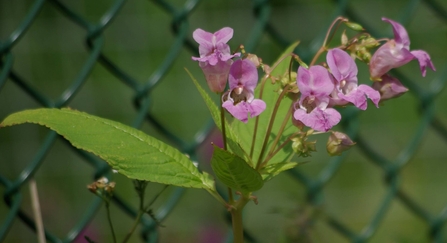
346, 90
239, 100
315, 85
215, 57
395, 53
389, 87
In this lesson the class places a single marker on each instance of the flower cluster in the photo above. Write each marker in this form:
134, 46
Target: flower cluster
217, 65
322, 87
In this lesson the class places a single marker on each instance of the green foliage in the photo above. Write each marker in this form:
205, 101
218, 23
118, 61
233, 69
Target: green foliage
127, 150
272, 170
234, 172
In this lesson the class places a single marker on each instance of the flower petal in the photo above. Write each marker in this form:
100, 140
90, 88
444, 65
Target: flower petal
388, 56
400, 34
341, 64
256, 107
315, 81
202, 37
424, 61
223, 35
243, 72
239, 111
318, 119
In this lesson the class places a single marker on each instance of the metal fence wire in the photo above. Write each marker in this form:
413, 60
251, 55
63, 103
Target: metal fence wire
260, 22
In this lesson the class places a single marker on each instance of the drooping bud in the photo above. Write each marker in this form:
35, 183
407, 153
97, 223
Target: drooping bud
338, 142
254, 59
354, 26
389, 87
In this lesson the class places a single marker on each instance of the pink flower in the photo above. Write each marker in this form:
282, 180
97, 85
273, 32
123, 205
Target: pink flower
239, 100
346, 90
396, 52
315, 85
215, 57
389, 87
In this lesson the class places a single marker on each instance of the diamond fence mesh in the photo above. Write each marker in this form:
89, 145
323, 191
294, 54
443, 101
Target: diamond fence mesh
124, 60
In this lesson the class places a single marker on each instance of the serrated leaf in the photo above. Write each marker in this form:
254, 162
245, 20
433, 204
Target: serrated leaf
234, 172
270, 96
273, 170
127, 150
232, 139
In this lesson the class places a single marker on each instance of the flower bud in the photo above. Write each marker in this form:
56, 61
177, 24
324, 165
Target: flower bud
370, 43
302, 147
389, 87
354, 26
337, 143
254, 59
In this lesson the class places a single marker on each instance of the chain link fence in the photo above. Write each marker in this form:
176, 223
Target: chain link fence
124, 60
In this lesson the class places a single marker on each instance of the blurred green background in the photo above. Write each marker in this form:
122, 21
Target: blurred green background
51, 53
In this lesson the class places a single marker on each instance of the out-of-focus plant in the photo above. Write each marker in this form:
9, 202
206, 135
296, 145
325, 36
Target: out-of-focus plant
275, 115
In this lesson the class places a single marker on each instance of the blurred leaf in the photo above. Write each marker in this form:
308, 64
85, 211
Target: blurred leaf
232, 139
270, 96
273, 170
234, 172
128, 150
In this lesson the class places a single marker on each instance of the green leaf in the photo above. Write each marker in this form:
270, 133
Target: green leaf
270, 96
272, 170
234, 172
232, 139
127, 150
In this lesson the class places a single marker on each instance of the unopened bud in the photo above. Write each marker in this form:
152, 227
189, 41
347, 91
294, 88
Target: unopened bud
337, 143
370, 43
354, 26
302, 147
344, 38
389, 87
254, 59
365, 56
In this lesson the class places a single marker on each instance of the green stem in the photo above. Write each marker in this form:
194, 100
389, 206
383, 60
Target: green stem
110, 220
134, 226
278, 136
327, 38
222, 124
236, 219
224, 138
279, 148
264, 79
269, 129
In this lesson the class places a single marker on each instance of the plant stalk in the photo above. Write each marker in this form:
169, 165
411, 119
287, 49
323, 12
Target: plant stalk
109, 219
269, 128
236, 219
36, 211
